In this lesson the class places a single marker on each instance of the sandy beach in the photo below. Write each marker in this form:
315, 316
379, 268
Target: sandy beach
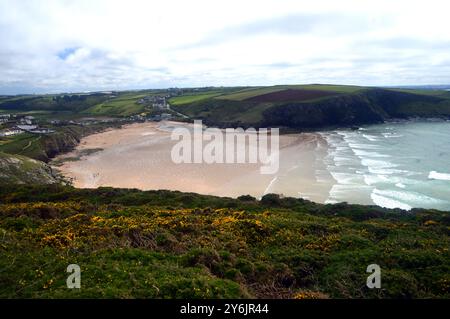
139, 156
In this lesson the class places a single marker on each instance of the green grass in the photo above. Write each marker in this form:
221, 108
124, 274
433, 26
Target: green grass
252, 92
23, 170
161, 244
193, 97
329, 87
437, 93
22, 144
44, 147
124, 105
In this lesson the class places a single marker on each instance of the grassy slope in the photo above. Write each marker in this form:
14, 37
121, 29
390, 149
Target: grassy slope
23, 170
23, 144
44, 147
48, 103
226, 104
352, 105
123, 105
249, 92
252, 92
118, 104
161, 244
193, 97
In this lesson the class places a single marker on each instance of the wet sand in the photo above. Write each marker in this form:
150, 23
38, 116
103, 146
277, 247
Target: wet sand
139, 156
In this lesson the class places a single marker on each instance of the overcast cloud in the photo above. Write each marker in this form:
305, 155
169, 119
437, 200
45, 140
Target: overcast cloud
61, 46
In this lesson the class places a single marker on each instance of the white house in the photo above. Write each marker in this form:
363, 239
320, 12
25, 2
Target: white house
27, 127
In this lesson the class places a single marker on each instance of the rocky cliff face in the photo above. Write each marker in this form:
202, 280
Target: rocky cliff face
18, 169
367, 107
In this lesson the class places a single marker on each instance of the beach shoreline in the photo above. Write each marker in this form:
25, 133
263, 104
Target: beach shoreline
138, 156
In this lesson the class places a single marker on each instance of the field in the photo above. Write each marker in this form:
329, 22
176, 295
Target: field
75, 105
160, 244
22, 144
216, 105
248, 93
124, 105
437, 93
315, 106
290, 95
192, 97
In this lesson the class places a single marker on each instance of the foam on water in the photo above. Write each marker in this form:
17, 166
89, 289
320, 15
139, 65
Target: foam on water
439, 176
405, 196
390, 164
371, 138
388, 202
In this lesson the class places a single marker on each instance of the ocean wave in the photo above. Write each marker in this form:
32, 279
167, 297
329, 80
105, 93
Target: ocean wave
391, 135
361, 153
388, 202
346, 178
439, 176
341, 192
414, 198
343, 160
397, 181
373, 163
387, 171
374, 179
371, 138
364, 146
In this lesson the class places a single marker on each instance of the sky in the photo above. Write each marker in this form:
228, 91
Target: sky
72, 46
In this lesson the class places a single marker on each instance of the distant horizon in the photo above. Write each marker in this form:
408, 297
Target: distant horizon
403, 86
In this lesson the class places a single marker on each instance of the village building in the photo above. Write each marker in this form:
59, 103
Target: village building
27, 127
10, 132
42, 131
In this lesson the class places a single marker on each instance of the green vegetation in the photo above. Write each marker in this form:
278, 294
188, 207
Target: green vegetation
193, 97
161, 244
124, 105
306, 107
23, 170
256, 91
45, 147
75, 105
57, 103
298, 107
249, 92
22, 144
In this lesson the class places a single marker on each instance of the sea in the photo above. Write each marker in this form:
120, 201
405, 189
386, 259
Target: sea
395, 165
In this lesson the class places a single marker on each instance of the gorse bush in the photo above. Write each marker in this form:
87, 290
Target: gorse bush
161, 244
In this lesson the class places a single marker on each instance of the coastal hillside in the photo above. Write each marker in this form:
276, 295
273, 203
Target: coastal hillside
161, 244
315, 106
18, 169
43, 147
290, 106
